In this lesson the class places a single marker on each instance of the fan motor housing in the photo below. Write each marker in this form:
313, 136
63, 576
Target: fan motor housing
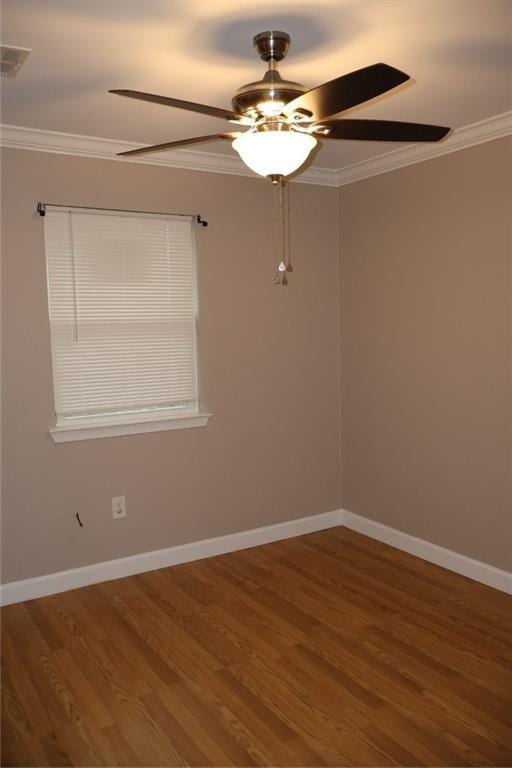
270, 88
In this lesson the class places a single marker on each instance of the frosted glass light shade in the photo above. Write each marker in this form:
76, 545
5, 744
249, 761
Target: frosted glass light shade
274, 152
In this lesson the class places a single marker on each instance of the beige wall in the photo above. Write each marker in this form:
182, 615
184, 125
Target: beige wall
426, 350
425, 389
269, 363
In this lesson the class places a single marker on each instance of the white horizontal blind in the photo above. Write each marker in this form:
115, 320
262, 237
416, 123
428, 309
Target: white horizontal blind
122, 300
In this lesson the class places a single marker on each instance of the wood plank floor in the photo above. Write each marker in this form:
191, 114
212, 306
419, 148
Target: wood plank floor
328, 649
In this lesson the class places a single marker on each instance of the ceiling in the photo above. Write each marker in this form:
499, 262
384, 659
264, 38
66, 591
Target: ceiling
457, 52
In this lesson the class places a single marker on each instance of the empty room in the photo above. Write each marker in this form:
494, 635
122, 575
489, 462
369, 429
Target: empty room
256, 383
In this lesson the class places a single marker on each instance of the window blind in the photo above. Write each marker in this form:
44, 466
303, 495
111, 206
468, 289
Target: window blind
122, 305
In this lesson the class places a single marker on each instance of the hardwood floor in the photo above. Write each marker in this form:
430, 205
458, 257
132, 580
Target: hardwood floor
328, 649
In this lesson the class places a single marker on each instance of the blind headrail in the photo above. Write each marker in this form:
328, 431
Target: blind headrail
41, 210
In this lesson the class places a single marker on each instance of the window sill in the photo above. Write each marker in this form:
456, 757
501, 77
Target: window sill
92, 431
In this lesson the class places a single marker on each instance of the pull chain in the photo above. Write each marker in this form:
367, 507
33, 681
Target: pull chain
289, 267
277, 278
282, 219
282, 231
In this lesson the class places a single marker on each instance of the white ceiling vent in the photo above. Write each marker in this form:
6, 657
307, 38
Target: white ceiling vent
12, 58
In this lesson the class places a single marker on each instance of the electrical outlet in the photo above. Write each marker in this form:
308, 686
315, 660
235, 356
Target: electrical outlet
118, 507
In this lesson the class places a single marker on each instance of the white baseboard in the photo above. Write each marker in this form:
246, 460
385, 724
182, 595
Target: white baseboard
446, 558
50, 584
40, 586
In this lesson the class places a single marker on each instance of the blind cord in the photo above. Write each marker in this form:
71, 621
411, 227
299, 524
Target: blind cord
73, 266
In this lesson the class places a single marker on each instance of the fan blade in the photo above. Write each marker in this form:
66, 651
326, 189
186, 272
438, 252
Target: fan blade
180, 143
226, 114
380, 130
346, 91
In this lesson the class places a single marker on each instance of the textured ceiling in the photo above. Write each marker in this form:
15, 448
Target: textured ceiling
458, 53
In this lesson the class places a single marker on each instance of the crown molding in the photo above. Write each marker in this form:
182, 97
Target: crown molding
35, 139
18, 137
461, 138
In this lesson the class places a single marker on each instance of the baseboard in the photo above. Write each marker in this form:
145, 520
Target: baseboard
446, 558
40, 586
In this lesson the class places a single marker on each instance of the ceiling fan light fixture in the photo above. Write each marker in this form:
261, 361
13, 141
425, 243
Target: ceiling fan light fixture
274, 153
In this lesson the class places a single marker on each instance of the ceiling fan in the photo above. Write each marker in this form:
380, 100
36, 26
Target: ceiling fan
284, 120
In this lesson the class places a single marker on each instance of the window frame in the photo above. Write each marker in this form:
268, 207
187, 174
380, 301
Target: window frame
68, 429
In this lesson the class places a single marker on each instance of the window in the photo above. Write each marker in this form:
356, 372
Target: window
122, 305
